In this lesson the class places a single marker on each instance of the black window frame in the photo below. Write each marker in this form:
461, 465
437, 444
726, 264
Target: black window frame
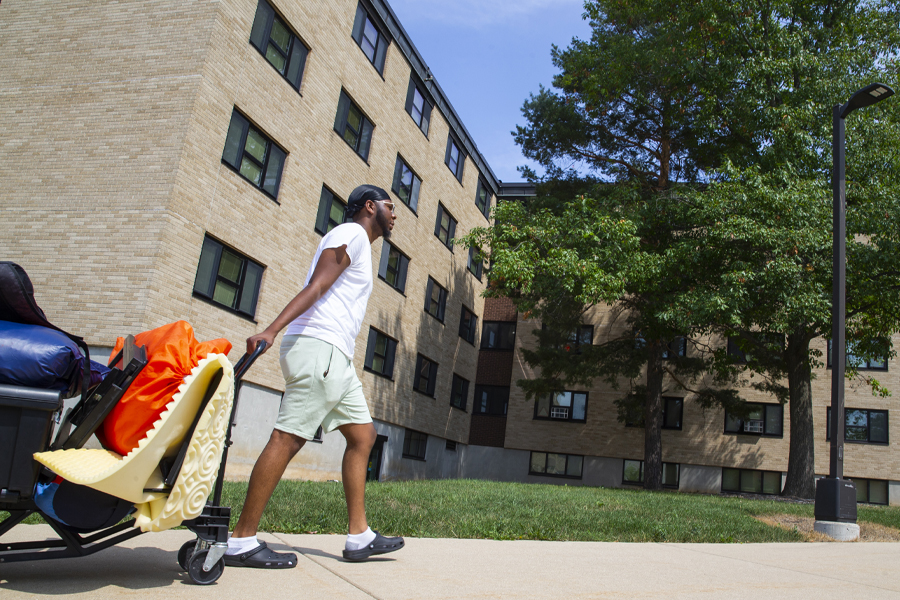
497, 402
235, 154
468, 324
640, 479
751, 473
324, 221
473, 264
677, 347
387, 358
848, 356
297, 52
450, 230
366, 128
667, 401
569, 412
385, 268
213, 250
765, 420
424, 120
852, 427
565, 474
459, 392
429, 380
489, 195
429, 299
487, 327
863, 487
761, 337
453, 142
382, 40
415, 441
415, 185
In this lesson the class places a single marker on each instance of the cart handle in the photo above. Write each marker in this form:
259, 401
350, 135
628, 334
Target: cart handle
247, 361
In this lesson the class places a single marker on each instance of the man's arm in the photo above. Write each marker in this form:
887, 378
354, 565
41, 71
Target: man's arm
332, 262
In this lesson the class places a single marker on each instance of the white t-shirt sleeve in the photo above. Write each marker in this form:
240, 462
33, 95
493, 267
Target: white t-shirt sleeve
354, 238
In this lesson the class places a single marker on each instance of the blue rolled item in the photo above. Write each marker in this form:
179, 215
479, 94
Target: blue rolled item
40, 357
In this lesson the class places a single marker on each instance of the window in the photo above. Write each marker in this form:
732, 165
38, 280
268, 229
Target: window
562, 406
332, 212
673, 411
370, 37
496, 335
435, 299
476, 262
414, 444
253, 155
557, 465
483, 198
425, 375
583, 335
751, 481
468, 324
633, 473
281, 46
740, 349
459, 392
870, 491
380, 352
862, 425
393, 267
677, 347
417, 106
227, 278
445, 227
454, 158
762, 419
860, 362
352, 125
490, 400
406, 184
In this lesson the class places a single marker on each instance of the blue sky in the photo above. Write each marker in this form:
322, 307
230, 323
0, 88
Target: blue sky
488, 55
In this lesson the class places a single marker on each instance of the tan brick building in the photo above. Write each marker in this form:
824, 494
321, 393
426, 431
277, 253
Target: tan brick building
166, 160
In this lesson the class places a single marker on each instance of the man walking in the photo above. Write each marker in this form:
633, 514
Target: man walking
321, 386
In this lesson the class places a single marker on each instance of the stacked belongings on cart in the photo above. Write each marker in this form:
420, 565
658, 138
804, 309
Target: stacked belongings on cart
162, 412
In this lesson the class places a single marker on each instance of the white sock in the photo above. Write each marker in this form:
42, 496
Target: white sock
355, 541
239, 545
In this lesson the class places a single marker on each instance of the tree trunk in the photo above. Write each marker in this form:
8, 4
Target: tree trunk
653, 420
801, 474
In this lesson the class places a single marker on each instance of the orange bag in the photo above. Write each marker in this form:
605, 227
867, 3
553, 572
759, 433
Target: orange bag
172, 352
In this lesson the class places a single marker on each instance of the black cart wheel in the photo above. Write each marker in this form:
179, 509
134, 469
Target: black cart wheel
185, 552
201, 577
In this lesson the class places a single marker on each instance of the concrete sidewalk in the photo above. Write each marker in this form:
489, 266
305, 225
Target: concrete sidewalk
146, 567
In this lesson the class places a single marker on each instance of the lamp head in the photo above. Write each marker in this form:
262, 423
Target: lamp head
869, 95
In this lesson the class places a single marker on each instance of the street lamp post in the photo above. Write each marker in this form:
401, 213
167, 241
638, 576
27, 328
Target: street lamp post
836, 496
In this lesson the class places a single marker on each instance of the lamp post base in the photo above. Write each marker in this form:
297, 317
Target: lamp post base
842, 532
835, 500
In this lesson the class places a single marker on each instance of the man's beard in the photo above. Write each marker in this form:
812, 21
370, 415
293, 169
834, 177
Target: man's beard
384, 223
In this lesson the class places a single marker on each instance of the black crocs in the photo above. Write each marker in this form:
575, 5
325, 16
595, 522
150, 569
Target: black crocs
380, 545
262, 558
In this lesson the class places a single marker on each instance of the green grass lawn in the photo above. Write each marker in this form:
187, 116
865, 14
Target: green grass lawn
511, 511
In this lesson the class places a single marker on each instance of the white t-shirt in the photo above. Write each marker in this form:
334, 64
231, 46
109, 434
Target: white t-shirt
337, 316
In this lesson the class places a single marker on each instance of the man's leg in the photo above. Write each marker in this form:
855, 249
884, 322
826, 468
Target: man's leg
266, 474
360, 439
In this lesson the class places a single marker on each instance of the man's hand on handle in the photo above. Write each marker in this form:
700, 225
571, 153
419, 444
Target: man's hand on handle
265, 336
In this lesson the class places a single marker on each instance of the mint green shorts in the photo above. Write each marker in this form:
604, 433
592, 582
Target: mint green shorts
320, 388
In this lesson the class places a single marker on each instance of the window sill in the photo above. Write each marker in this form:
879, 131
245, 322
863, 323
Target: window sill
358, 155
441, 321
420, 459
398, 290
555, 476
575, 421
212, 302
764, 435
462, 408
382, 375
276, 70
255, 187
426, 394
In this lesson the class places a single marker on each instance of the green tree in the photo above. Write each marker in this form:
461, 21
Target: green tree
708, 122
